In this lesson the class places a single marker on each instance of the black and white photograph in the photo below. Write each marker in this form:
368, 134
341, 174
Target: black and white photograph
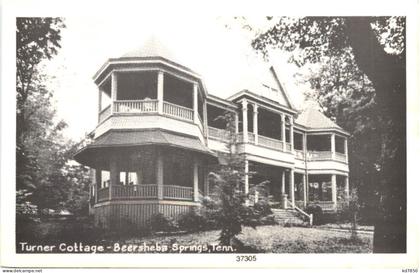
218, 134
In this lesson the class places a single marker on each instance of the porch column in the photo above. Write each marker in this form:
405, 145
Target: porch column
195, 103
94, 182
159, 175
304, 190
236, 123
114, 89
246, 184
291, 134
346, 150
195, 180
283, 131
255, 123
334, 189
113, 174
245, 120
283, 195
99, 102
206, 126
333, 146
160, 92
292, 187
347, 188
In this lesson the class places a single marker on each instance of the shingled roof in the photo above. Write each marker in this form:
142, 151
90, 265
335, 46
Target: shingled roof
313, 119
126, 138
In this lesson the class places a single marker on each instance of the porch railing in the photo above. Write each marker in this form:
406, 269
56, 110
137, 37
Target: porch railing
143, 191
288, 147
177, 192
319, 155
300, 154
135, 106
218, 133
306, 215
324, 205
103, 194
106, 112
340, 157
270, 142
178, 111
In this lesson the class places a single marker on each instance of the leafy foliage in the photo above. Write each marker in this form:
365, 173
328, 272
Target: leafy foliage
43, 171
361, 84
229, 200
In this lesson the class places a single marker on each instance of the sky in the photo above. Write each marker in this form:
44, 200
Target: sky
221, 55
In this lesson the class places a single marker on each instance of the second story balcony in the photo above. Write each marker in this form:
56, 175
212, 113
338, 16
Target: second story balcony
151, 92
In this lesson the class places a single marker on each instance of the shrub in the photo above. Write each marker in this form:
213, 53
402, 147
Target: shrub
159, 222
192, 221
262, 208
318, 215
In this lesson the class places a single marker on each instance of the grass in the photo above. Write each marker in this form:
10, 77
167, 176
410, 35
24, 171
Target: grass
264, 239
276, 239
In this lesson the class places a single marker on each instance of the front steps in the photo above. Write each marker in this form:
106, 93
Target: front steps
287, 216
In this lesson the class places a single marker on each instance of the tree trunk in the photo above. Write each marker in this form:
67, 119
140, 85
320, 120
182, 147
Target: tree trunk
388, 76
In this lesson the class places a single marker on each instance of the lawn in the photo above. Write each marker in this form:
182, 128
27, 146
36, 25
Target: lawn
263, 239
276, 239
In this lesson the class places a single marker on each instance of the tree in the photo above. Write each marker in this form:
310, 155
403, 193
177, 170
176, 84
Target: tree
37, 39
42, 152
229, 206
377, 47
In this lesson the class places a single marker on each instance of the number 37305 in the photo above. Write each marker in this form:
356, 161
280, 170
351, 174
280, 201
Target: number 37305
246, 258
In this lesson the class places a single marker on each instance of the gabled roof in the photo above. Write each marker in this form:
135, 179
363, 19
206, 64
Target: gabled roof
267, 87
311, 118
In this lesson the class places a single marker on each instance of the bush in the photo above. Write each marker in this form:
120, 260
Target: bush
262, 209
318, 215
159, 222
192, 221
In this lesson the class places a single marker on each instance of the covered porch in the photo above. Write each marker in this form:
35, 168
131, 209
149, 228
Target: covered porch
148, 92
285, 187
150, 173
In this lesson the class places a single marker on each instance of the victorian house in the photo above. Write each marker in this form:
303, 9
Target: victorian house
158, 133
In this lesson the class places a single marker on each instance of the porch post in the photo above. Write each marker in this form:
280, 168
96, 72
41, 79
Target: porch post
94, 182
292, 187
334, 189
346, 149
160, 92
283, 185
113, 174
246, 184
291, 134
255, 123
236, 123
347, 188
283, 195
195, 102
195, 180
283, 132
333, 146
159, 175
245, 120
304, 190
114, 89
99, 101
206, 127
